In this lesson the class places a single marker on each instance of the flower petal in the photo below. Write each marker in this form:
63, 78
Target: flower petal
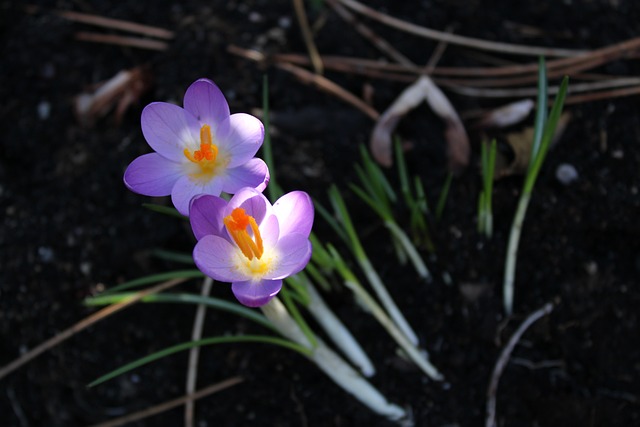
253, 173
206, 215
186, 188
152, 175
295, 213
243, 138
294, 251
253, 202
206, 102
169, 129
256, 294
216, 257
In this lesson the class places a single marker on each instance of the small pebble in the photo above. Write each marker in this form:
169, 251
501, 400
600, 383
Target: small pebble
566, 174
284, 22
44, 109
45, 253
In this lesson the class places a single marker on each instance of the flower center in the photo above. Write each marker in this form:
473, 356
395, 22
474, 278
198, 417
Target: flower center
206, 156
237, 224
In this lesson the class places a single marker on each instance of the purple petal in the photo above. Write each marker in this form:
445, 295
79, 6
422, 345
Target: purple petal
206, 102
253, 202
294, 251
217, 258
186, 188
295, 213
169, 129
243, 138
256, 294
253, 173
270, 231
152, 175
206, 215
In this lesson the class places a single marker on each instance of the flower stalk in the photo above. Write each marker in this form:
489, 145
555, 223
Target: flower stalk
332, 364
366, 266
543, 135
412, 351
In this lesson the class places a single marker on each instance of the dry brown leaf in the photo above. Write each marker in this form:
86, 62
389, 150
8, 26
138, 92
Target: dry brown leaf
422, 90
520, 143
120, 91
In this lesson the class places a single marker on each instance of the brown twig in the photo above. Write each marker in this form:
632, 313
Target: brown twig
117, 24
456, 39
502, 361
83, 324
308, 77
194, 353
368, 34
121, 40
163, 407
307, 36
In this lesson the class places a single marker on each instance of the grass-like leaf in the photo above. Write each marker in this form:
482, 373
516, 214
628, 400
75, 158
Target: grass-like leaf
166, 210
199, 343
186, 298
155, 278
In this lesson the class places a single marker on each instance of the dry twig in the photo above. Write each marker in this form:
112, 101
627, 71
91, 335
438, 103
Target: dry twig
194, 353
121, 40
308, 77
117, 24
83, 324
455, 39
307, 35
163, 407
502, 361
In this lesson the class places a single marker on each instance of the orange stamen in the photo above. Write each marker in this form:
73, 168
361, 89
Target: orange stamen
237, 223
208, 152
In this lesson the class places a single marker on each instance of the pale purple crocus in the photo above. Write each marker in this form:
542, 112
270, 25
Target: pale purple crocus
199, 149
250, 243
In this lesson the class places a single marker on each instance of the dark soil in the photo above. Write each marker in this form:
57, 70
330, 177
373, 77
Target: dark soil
69, 226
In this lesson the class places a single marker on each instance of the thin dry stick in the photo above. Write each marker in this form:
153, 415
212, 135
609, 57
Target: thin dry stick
83, 324
310, 78
194, 353
502, 361
379, 42
163, 407
532, 91
608, 53
121, 40
328, 86
307, 35
117, 24
456, 39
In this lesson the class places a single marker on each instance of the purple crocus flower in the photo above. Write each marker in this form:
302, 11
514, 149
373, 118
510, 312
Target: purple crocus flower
199, 149
250, 243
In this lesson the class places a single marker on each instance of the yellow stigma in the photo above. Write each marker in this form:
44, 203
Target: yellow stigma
237, 224
206, 156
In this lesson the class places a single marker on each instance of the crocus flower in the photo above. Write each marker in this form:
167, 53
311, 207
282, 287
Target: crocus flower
250, 243
199, 149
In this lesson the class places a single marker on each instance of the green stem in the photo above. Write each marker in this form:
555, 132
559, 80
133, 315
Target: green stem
512, 252
331, 364
401, 237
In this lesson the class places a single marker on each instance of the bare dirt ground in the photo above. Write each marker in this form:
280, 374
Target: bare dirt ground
69, 226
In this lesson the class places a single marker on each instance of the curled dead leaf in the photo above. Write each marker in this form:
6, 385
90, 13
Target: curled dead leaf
422, 90
520, 143
507, 115
121, 91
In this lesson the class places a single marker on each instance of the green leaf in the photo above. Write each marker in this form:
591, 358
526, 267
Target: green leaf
173, 256
205, 341
186, 298
166, 210
155, 278
547, 136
